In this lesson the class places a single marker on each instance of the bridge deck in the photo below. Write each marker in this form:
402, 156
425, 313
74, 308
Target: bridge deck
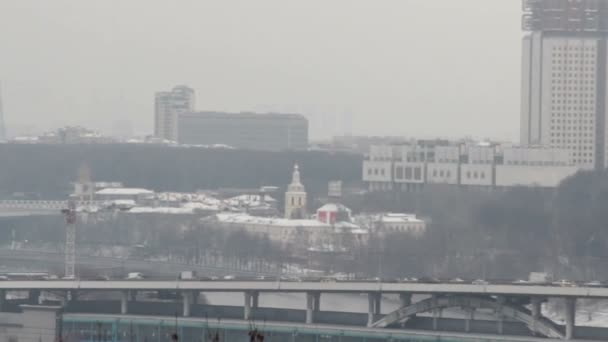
294, 286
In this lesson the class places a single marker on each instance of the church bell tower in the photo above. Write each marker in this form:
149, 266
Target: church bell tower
295, 197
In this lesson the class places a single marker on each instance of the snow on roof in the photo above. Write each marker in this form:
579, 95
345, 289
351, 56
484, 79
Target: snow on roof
188, 197
399, 218
160, 210
240, 218
334, 207
124, 191
249, 200
268, 221
201, 206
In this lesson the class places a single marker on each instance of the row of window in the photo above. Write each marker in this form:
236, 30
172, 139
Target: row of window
409, 173
475, 175
573, 48
572, 128
442, 174
569, 141
570, 68
375, 172
572, 115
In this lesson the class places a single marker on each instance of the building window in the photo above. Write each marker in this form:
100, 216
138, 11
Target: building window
408, 173
417, 173
399, 172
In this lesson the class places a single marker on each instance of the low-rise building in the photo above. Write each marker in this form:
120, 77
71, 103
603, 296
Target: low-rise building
412, 165
398, 223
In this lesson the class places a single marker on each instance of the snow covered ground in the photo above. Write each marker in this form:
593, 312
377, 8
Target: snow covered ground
590, 313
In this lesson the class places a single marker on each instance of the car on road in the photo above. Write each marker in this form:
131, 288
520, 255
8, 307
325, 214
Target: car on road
564, 283
457, 281
521, 282
480, 282
594, 283
229, 277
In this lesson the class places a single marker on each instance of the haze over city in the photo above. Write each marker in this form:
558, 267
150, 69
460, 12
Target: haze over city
397, 67
349, 171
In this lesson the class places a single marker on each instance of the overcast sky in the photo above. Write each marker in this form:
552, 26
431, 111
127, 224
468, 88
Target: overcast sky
419, 68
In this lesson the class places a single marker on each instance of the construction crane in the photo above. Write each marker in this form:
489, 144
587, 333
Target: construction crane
70, 240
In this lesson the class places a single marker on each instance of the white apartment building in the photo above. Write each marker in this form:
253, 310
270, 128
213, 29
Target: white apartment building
564, 78
167, 106
411, 166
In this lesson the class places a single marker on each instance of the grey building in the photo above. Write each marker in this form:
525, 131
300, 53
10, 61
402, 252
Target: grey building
167, 106
273, 132
564, 78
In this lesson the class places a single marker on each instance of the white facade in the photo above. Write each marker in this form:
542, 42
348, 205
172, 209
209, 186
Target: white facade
302, 233
466, 164
563, 105
167, 106
295, 197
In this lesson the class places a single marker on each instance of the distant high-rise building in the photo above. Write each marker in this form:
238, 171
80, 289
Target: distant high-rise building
168, 105
2, 127
564, 70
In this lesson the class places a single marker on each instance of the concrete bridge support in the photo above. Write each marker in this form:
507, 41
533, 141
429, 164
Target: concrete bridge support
570, 317
313, 304
34, 297
500, 318
536, 309
252, 300
247, 306
374, 307
437, 312
470, 312
310, 307
2, 300
317, 301
124, 302
187, 298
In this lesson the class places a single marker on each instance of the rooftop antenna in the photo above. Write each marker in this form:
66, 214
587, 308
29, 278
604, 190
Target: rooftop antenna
2, 127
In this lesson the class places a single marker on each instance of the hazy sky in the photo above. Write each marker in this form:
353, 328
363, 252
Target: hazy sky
395, 67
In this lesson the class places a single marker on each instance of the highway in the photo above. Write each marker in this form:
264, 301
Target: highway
38, 258
307, 286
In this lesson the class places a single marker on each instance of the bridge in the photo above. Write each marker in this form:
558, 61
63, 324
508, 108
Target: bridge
521, 303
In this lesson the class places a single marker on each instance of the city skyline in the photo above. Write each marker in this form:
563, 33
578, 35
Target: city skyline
370, 72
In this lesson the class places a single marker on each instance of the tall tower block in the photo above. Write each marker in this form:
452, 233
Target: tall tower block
564, 72
295, 197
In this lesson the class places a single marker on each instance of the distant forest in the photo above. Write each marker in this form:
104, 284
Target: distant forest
48, 170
